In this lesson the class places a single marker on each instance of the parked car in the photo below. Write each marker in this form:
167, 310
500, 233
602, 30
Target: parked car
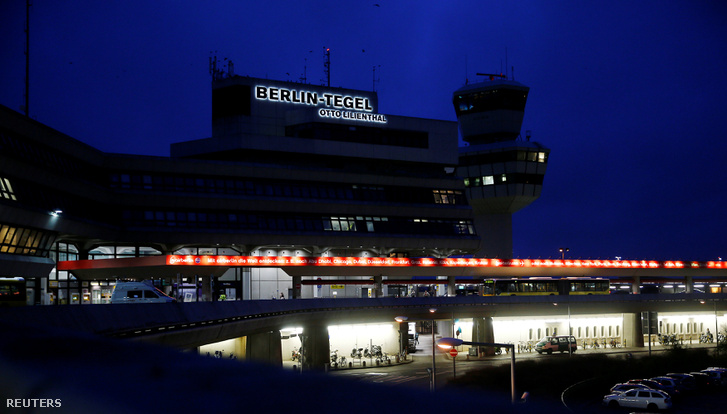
718, 376
651, 400
625, 386
138, 292
685, 382
649, 383
703, 380
549, 344
670, 385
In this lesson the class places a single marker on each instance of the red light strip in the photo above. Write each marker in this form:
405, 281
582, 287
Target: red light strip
280, 261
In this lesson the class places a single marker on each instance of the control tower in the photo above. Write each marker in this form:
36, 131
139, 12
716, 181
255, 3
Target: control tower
502, 171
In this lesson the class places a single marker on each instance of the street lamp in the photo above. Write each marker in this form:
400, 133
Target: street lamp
447, 343
570, 333
434, 365
562, 252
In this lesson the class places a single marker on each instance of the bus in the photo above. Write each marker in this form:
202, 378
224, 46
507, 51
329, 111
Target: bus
12, 291
546, 286
535, 286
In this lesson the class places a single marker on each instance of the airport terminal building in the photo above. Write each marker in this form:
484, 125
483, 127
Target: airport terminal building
290, 169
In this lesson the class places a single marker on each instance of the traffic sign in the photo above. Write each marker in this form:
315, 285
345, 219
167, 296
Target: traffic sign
453, 352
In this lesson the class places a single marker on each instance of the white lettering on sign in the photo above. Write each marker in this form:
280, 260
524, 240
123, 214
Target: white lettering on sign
356, 116
331, 100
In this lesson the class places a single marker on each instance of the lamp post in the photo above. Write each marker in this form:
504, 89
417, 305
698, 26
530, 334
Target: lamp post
570, 333
562, 252
434, 364
447, 343
716, 323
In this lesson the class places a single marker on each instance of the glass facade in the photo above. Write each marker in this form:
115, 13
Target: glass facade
25, 241
286, 222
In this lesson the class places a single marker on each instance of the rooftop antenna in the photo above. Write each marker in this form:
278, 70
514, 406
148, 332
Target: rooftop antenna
375, 80
214, 70
230, 68
327, 66
466, 79
506, 62
26, 107
304, 79
217, 67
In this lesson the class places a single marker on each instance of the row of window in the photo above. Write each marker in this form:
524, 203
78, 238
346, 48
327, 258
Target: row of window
18, 240
504, 156
448, 197
6, 190
267, 188
491, 100
359, 134
512, 178
298, 223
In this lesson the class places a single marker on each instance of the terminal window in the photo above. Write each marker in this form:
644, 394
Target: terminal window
6, 190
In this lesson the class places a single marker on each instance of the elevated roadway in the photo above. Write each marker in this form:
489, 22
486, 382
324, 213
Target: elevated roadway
189, 325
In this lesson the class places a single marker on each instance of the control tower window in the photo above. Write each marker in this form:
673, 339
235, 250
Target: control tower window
491, 100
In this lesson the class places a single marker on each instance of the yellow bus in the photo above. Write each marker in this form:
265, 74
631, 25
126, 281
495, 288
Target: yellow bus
12, 291
546, 286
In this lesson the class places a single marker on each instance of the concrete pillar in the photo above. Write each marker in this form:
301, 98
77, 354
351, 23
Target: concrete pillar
246, 283
689, 284
265, 347
316, 349
497, 227
204, 288
635, 285
451, 287
215, 289
403, 337
378, 286
297, 281
482, 331
446, 328
632, 330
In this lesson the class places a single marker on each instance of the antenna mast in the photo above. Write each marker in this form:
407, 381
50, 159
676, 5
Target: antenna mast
27, 58
304, 78
327, 66
217, 68
506, 63
375, 80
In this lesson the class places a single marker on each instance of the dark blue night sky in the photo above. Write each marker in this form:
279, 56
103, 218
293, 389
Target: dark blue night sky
629, 96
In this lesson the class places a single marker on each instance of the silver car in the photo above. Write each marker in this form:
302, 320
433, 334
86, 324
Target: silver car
623, 387
651, 400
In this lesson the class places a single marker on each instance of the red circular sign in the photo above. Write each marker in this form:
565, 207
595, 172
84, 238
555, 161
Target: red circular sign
453, 352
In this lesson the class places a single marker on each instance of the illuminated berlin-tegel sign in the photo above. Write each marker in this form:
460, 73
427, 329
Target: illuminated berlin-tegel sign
355, 108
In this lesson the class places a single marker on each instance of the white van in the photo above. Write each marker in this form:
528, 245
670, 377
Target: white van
138, 292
